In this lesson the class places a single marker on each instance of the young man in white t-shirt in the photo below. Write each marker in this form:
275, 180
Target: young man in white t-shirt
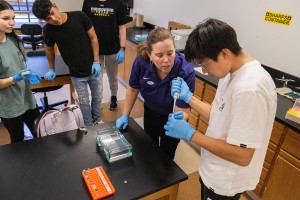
240, 118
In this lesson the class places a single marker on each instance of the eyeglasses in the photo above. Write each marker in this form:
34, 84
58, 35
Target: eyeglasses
203, 65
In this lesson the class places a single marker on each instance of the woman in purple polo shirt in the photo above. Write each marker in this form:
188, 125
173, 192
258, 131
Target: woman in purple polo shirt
156, 65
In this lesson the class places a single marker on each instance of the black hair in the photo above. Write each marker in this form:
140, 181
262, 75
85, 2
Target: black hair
209, 38
41, 8
6, 6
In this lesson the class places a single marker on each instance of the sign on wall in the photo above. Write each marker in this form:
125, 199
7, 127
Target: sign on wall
278, 18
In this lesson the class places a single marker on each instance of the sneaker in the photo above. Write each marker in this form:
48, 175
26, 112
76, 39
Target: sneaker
113, 103
99, 122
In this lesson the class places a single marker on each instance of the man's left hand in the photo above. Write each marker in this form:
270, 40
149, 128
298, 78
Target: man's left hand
120, 56
179, 128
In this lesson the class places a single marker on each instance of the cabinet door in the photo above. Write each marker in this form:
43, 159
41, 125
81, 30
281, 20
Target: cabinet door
121, 69
199, 88
284, 182
276, 136
130, 55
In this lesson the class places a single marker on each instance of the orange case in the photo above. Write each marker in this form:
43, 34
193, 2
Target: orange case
98, 183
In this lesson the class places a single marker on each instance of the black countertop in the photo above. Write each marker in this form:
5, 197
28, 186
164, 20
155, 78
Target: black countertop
131, 32
49, 168
283, 103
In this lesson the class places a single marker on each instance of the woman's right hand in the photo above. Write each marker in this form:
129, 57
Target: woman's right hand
122, 122
19, 76
180, 86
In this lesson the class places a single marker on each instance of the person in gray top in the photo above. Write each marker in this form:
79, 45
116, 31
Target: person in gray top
17, 103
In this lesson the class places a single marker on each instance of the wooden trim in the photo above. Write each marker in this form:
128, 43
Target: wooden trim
170, 192
176, 25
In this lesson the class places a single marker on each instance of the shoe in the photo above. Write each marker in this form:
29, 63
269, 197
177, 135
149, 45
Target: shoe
99, 122
113, 103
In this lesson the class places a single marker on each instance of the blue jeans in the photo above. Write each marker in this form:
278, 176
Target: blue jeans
91, 112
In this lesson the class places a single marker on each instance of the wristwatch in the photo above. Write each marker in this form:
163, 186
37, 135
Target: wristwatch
124, 48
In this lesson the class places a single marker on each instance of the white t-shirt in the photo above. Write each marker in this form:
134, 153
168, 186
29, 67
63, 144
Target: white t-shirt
242, 113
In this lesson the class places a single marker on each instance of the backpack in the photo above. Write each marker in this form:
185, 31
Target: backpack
57, 121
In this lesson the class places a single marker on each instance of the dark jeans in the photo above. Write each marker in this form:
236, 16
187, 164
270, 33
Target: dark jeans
15, 126
208, 194
154, 126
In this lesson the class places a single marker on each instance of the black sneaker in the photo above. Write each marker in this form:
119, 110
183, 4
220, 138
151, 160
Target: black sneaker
113, 103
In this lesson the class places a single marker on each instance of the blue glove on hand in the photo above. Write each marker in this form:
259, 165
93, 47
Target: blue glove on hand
33, 78
50, 75
96, 69
18, 77
122, 122
178, 115
179, 129
182, 89
120, 56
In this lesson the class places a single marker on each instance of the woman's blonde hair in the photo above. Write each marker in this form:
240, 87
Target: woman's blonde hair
158, 34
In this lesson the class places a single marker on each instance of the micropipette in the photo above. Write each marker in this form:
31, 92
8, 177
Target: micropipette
175, 96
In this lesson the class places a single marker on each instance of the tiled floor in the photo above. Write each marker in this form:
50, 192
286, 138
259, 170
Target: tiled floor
186, 156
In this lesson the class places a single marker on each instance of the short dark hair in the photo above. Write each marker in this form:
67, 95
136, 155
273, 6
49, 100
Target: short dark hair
209, 38
41, 8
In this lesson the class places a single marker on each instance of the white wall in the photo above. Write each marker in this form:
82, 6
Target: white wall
68, 5
272, 44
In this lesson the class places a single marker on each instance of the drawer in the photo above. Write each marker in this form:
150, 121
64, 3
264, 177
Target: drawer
209, 93
193, 112
277, 132
193, 121
199, 88
202, 127
291, 143
269, 156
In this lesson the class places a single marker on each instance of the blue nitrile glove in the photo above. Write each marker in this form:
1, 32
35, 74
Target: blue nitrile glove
122, 122
120, 56
96, 69
182, 89
179, 128
33, 78
18, 77
50, 75
178, 115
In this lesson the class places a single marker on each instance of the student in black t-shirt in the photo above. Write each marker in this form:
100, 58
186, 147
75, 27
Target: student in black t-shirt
109, 18
75, 37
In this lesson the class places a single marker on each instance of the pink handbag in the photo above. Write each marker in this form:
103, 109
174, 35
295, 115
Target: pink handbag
57, 121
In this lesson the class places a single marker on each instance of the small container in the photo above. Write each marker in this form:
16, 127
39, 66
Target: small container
294, 112
113, 144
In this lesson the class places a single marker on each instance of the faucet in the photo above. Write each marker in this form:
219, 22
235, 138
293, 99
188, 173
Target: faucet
283, 79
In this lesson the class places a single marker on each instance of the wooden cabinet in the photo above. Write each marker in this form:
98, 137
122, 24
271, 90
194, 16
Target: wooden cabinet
205, 92
199, 88
124, 70
273, 148
130, 55
209, 93
284, 179
194, 116
121, 69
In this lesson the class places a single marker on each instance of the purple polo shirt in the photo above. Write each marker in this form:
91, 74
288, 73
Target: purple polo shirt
156, 92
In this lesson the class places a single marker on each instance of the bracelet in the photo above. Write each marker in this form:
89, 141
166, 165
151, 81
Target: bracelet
12, 81
124, 48
96, 62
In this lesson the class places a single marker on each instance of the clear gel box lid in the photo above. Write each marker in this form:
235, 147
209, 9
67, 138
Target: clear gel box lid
113, 144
